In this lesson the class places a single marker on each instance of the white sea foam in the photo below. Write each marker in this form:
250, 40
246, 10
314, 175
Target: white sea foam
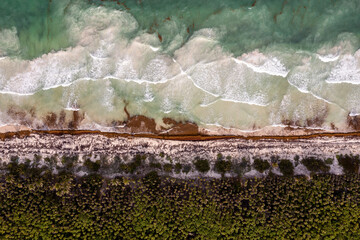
72, 109
354, 114
260, 63
200, 69
347, 70
234, 101
155, 49
328, 58
148, 96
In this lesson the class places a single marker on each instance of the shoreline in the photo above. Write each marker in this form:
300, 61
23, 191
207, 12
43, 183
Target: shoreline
22, 131
170, 149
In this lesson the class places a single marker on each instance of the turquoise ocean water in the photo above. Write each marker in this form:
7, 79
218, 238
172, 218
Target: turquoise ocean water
237, 64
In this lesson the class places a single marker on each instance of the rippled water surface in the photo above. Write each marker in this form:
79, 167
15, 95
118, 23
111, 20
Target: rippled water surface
236, 64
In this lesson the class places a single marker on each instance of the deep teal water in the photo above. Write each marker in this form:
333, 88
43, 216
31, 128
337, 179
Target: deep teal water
245, 25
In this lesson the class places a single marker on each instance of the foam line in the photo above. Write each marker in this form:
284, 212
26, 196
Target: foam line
234, 101
262, 69
327, 58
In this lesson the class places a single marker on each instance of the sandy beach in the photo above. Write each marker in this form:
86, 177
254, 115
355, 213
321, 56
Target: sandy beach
27, 143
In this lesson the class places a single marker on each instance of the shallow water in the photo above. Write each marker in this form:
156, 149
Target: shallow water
237, 64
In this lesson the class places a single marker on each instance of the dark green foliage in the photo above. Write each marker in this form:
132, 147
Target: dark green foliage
261, 165
92, 207
155, 165
222, 166
315, 165
68, 163
152, 179
286, 167
349, 163
162, 154
202, 165
135, 163
178, 167
274, 159
168, 167
297, 160
329, 161
124, 168
14, 159
92, 166
186, 168
242, 167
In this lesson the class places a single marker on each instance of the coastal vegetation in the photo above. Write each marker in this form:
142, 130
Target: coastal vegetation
315, 165
261, 165
286, 167
37, 204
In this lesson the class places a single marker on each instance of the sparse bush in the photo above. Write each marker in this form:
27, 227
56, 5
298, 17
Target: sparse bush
14, 159
136, 163
274, 159
261, 165
178, 168
92, 166
329, 161
349, 163
297, 160
155, 165
186, 168
202, 165
168, 167
286, 167
168, 158
315, 165
242, 167
68, 162
123, 167
152, 179
222, 166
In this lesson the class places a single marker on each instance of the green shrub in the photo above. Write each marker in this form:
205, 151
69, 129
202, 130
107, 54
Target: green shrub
297, 160
178, 167
329, 161
349, 163
14, 159
123, 167
136, 163
152, 179
286, 167
242, 167
68, 162
92, 166
222, 166
168, 167
186, 168
155, 165
202, 165
261, 165
315, 165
